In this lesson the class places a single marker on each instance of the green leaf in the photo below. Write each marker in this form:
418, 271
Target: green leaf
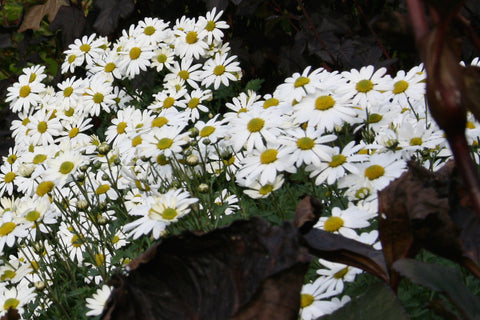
378, 302
254, 84
443, 279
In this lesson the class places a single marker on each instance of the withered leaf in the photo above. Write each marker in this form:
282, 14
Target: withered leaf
34, 15
337, 248
249, 270
307, 213
430, 210
12, 314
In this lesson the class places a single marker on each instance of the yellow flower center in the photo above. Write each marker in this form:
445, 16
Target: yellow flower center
67, 92
32, 77
169, 213
9, 177
32, 216
73, 132
268, 156
364, 86
149, 30
71, 58
306, 300
85, 47
255, 124
25, 121
374, 118
135, 53
121, 127
39, 158
8, 274
266, 189
305, 143
12, 158
168, 102
218, 70
159, 122
374, 172
210, 25
183, 74
340, 274
206, 131
6, 228
98, 97
109, 67
301, 81
103, 188
44, 187
323, 103
136, 141
10, 303
42, 127
333, 224
362, 193
77, 241
400, 86
193, 103
69, 112
24, 91
470, 125
417, 141
162, 58
164, 143
66, 167
191, 37
337, 160
270, 103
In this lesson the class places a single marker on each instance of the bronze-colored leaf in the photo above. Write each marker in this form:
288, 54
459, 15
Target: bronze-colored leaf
307, 213
34, 15
12, 314
430, 210
337, 248
249, 270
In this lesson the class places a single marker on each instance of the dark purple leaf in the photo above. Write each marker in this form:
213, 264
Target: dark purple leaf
71, 21
111, 11
249, 270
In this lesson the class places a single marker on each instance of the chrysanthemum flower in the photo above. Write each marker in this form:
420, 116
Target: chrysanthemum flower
346, 221
159, 211
24, 94
367, 84
190, 40
220, 70
97, 302
213, 25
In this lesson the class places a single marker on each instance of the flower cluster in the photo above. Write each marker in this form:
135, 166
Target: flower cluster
100, 169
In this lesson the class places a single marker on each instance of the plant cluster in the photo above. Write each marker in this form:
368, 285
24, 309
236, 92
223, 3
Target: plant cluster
131, 147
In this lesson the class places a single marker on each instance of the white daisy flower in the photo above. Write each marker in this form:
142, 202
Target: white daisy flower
256, 190
213, 25
299, 85
220, 70
190, 40
43, 127
346, 221
163, 57
313, 303
98, 301
24, 95
337, 163
17, 297
266, 163
335, 274
308, 146
367, 84
158, 211
134, 57
186, 71
325, 111
98, 96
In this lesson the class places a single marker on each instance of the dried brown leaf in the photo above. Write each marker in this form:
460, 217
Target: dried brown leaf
34, 15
